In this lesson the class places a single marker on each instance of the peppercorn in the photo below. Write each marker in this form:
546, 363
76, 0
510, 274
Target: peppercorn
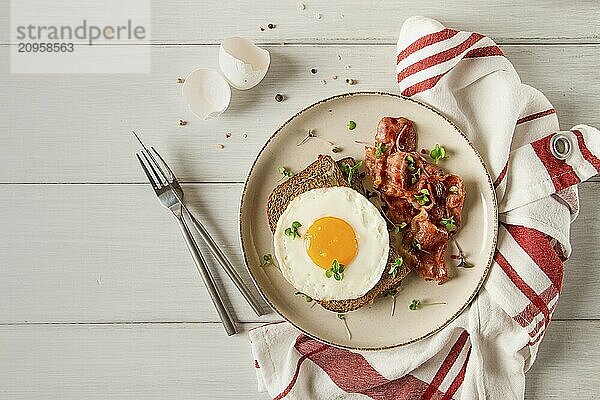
279, 97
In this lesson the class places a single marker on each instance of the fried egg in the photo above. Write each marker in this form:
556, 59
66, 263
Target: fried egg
323, 229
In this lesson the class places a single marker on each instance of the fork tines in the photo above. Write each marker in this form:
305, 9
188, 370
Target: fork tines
158, 179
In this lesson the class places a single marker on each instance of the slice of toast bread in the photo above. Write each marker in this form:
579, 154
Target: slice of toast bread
323, 172
326, 172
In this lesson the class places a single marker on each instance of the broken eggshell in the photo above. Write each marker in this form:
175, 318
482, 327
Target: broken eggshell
207, 93
243, 63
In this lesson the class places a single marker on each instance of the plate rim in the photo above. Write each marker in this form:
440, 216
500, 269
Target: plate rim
490, 256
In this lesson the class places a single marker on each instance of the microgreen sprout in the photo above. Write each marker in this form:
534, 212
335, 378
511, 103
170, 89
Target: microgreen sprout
414, 177
423, 198
416, 304
309, 134
437, 153
336, 270
380, 148
449, 224
463, 263
284, 172
293, 230
343, 318
397, 228
415, 172
416, 245
306, 297
349, 171
392, 293
266, 260
395, 267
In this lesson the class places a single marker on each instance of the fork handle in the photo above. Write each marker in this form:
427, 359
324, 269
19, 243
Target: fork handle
209, 282
227, 266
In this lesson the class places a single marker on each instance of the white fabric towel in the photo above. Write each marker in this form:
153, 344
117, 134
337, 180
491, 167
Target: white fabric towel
485, 352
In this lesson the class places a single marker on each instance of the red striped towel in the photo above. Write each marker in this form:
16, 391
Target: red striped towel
486, 351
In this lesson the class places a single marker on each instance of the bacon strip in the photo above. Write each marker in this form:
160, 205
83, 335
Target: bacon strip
402, 176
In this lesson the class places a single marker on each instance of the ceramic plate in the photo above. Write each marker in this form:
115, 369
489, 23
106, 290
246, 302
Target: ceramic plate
372, 327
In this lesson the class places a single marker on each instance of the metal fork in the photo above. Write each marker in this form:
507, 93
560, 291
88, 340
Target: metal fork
206, 237
171, 197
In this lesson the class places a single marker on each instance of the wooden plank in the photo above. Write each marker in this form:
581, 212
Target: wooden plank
148, 361
567, 363
185, 361
76, 127
360, 21
81, 253
98, 253
581, 284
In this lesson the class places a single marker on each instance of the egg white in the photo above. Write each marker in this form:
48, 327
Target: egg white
365, 270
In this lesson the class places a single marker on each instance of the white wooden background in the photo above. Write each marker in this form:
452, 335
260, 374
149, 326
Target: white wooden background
98, 295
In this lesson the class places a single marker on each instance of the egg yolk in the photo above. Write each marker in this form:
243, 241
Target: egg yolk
328, 239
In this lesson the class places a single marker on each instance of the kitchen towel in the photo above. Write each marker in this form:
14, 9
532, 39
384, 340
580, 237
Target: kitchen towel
485, 352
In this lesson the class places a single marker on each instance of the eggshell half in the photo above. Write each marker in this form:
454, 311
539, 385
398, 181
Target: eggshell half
207, 93
243, 63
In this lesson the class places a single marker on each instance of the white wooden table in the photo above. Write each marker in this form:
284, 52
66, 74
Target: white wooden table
98, 295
